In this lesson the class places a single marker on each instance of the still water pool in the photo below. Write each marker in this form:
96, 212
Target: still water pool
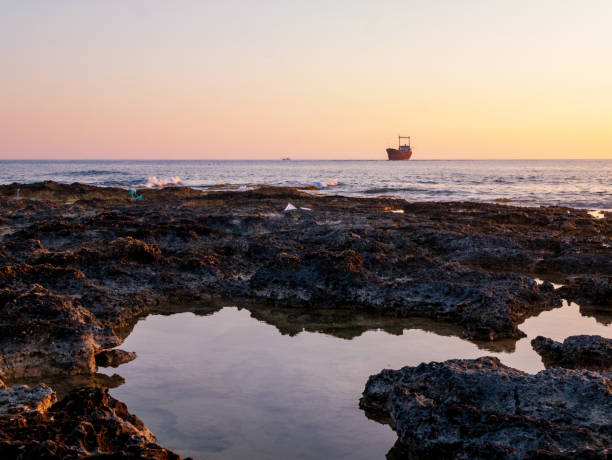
231, 383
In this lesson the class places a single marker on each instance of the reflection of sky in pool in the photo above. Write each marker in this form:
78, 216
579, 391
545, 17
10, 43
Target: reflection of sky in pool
230, 386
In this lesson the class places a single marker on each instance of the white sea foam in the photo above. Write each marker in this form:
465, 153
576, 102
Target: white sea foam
322, 185
159, 182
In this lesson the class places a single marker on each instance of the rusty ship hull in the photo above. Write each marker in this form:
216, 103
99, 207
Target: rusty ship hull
399, 155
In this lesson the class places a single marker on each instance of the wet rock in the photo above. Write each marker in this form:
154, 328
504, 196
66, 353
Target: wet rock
135, 250
87, 423
113, 358
89, 194
592, 352
42, 333
593, 290
495, 258
59, 278
62, 385
481, 409
21, 398
489, 306
578, 263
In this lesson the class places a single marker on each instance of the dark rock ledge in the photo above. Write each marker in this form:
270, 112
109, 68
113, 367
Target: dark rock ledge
593, 290
114, 358
88, 423
592, 352
481, 409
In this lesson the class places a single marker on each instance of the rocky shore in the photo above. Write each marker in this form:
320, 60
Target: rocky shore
592, 352
481, 409
88, 423
79, 265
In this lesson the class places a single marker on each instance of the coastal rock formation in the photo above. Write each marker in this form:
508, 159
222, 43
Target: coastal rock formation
21, 398
130, 249
42, 333
488, 305
114, 358
88, 423
592, 352
593, 290
93, 260
481, 409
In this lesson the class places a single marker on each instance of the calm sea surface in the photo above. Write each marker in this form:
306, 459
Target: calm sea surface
574, 183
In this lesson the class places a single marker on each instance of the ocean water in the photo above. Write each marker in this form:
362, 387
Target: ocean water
573, 183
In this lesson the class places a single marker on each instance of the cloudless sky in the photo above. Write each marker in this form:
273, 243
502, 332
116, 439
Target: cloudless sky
306, 79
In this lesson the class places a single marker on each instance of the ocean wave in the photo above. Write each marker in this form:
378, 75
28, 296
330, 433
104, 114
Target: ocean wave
158, 182
383, 190
386, 190
225, 187
96, 172
115, 183
322, 185
401, 190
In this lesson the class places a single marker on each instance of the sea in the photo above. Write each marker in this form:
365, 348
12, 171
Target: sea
573, 183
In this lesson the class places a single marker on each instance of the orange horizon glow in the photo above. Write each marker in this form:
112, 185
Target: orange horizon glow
265, 80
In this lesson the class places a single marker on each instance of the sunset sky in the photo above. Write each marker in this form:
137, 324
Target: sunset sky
148, 79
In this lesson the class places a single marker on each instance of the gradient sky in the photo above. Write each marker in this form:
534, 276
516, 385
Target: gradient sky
308, 79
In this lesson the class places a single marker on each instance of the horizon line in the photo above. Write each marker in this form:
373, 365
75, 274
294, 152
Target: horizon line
299, 159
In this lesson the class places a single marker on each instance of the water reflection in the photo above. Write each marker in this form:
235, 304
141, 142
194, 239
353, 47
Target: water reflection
229, 385
600, 313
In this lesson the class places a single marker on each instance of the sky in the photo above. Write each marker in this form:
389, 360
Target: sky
181, 79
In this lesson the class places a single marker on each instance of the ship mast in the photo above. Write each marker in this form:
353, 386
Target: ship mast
399, 141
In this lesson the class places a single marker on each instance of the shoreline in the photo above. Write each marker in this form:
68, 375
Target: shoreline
81, 263
506, 188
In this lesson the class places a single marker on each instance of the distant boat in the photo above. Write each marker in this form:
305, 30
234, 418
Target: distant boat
403, 152
286, 159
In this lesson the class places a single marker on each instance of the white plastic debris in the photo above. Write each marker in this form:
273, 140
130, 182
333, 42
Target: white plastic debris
290, 207
305, 208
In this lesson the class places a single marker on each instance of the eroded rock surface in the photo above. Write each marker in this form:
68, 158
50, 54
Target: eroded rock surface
22, 398
592, 352
42, 333
92, 261
88, 423
114, 358
481, 409
592, 290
